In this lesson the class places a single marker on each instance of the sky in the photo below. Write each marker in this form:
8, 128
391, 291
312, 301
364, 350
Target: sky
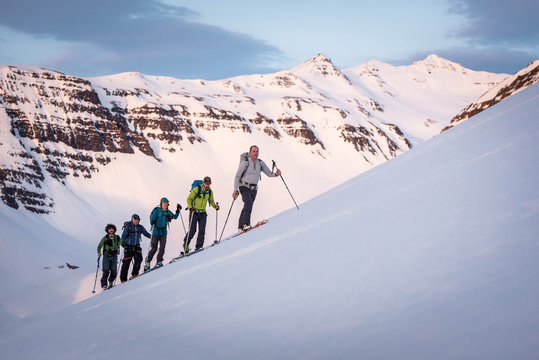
215, 39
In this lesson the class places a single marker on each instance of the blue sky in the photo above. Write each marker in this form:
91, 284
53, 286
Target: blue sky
215, 39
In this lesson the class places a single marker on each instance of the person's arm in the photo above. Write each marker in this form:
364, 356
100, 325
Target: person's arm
125, 233
144, 232
267, 171
212, 201
191, 197
241, 170
101, 244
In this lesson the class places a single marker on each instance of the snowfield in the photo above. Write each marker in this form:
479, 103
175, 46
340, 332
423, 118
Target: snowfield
431, 255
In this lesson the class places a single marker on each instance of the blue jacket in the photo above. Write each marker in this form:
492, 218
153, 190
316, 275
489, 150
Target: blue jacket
159, 219
132, 234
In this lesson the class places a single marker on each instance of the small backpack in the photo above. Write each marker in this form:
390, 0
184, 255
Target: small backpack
245, 157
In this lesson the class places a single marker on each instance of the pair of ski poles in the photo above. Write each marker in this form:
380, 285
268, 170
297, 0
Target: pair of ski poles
280, 175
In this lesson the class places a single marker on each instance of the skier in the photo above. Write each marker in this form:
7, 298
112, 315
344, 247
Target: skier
131, 237
196, 202
246, 183
111, 245
159, 218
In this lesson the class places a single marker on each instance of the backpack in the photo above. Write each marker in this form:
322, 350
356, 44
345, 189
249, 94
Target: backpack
159, 221
198, 184
245, 157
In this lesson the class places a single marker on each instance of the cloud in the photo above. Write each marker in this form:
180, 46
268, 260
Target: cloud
106, 36
497, 22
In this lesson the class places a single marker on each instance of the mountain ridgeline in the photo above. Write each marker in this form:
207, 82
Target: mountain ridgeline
55, 127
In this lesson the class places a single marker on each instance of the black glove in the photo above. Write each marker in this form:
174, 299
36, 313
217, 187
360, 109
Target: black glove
192, 209
178, 208
217, 207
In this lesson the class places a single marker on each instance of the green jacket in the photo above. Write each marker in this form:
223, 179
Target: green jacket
110, 245
198, 201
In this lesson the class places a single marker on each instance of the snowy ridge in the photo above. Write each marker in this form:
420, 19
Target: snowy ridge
439, 264
510, 86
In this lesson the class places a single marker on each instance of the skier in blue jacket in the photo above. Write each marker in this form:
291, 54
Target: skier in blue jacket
131, 237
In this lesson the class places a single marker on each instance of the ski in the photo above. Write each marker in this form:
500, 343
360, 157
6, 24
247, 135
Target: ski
258, 224
182, 255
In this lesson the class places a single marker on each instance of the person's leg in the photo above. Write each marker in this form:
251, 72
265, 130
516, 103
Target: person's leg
201, 229
248, 196
193, 217
162, 245
128, 255
137, 254
153, 248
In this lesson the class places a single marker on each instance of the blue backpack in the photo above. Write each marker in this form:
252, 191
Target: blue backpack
198, 184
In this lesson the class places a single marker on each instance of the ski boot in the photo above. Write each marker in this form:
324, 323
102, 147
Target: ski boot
146, 266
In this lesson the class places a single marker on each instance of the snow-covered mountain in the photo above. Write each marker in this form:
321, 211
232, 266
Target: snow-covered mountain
511, 85
76, 154
432, 255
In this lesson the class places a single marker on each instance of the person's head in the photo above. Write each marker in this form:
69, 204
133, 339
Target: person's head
206, 182
164, 203
135, 219
110, 229
253, 152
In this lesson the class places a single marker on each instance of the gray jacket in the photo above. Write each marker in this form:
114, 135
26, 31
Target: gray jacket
252, 173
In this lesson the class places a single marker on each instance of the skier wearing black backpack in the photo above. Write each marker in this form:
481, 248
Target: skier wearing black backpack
159, 218
197, 200
246, 183
131, 237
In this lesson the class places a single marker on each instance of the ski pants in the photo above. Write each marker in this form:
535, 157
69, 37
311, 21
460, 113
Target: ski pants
155, 241
110, 262
194, 219
248, 196
130, 253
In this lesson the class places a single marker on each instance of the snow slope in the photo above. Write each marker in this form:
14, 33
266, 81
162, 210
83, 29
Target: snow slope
421, 97
432, 255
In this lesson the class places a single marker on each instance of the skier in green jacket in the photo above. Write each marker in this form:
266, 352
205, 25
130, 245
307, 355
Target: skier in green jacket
110, 244
196, 202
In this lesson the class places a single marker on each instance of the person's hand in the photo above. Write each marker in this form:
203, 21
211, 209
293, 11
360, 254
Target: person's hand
178, 208
235, 194
98, 255
278, 172
217, 207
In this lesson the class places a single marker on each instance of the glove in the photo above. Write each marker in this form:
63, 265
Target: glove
217, 207
235, 194
178, 208
192, 209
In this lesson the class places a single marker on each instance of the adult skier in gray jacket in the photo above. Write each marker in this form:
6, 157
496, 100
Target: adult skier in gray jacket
246, 183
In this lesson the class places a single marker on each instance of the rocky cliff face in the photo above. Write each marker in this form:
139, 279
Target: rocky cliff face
512, 85
54, 126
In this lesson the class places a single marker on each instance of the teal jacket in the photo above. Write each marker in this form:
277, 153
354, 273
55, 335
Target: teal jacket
160, 218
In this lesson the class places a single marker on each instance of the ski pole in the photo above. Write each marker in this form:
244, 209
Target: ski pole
224, 226
188, 235
96, 271
284, 182
183, 224
216, 221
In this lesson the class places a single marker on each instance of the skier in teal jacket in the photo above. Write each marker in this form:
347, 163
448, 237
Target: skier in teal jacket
159, 219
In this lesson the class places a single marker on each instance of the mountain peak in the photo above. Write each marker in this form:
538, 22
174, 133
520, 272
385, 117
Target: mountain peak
433, 61
319, 65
